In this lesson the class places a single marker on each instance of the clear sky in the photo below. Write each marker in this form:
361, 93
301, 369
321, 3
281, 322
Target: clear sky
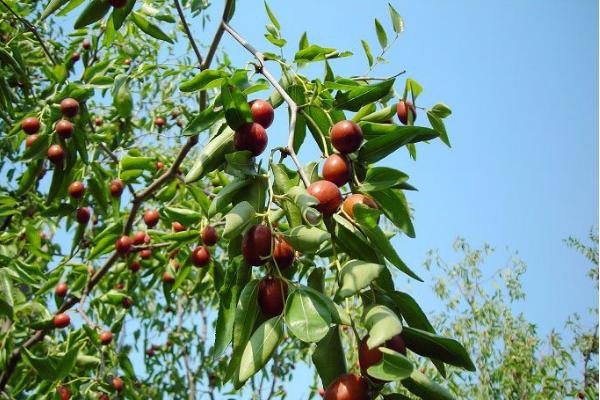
521, 77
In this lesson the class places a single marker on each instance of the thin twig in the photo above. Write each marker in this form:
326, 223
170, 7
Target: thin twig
186, 358
291, 104
188, 32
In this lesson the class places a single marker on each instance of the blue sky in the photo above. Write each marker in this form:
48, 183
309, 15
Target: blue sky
522, 80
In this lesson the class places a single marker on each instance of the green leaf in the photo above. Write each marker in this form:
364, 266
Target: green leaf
94, 11
259, 349
129, 162
392, 367
306, 239
235, 104
186, 216
303, 43
120, 14
209, 78
383, 115
329, 357
52, 6
211, 156
397, 21
122, 99
272, 17
149, 28
380, 147
358, 96
382, 323
6, 296
414, 88
438, 125
353, 242
225, 196
367, 220
238, 219
381, 35
425, 388
411, 311
317, 53
307, 315
367, 50
395, 207
441, 110
226, 314
440, 348
357, 275
247, 312
381, 178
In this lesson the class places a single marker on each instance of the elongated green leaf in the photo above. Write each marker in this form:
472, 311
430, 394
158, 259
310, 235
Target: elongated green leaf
397, 21
440, 348
382, 323
381, 35
120, 14
272, 17
306, 239
425, 388
238, 219
392, 367
94, 11
235, 104
225, 196
52, 6
380, 178
367, 50
204, 80
395, 207
211, 156
358, 96
317, 53
356, 275
149, 28
329, 358
307, 315
260, 348
438, 125
185, 216
367, 220
380, 147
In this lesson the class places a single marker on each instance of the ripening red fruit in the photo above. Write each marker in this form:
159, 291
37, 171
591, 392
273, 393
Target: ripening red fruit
356, 198
98, 121
63, 392
106, 337
159, 121
86, 44
336, 169
69, 107
177, 226
139, 238
76, 189
117, 3
209, 235
272, 293
75, 56
61, 289
151, 218
346, 136
103, 396
348, 387
30, 139
56, 153
251, 137
117, 383
123, 245
168, 278
159, 165
283, 253
369, 357
328, 194
145, 254
64, 129
82, 215
135, 266
127, 61
127, 302
262, 112
150, 352
30, 125
116, 188
403, 109
200, 256
61, 320
256, 244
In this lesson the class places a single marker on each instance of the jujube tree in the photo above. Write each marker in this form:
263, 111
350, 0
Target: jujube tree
287, 261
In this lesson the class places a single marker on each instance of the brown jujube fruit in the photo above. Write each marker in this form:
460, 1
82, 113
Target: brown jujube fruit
256, 244
30, 125
336, 169
69, 107
63, 392
139, 238
106, 337
160, 122
117, 383
272, 293
76, 189
61, 289
348, 387
30, 139
251, 137
357, 198
200, 256
61, 320
145, 254
369, 357
64, 128
82, 215
262, 112
328, 194
116, 187
209, 235
123, 245
403, 109
56, 153
177, 227
168, 278
151, 218
283, 253
346, 136
86, 44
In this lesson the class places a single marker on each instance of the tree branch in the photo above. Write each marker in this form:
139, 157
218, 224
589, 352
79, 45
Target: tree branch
186, 358
186, 28
291, 103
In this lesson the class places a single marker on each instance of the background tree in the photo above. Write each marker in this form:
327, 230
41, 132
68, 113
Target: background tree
513, 360
100, 131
